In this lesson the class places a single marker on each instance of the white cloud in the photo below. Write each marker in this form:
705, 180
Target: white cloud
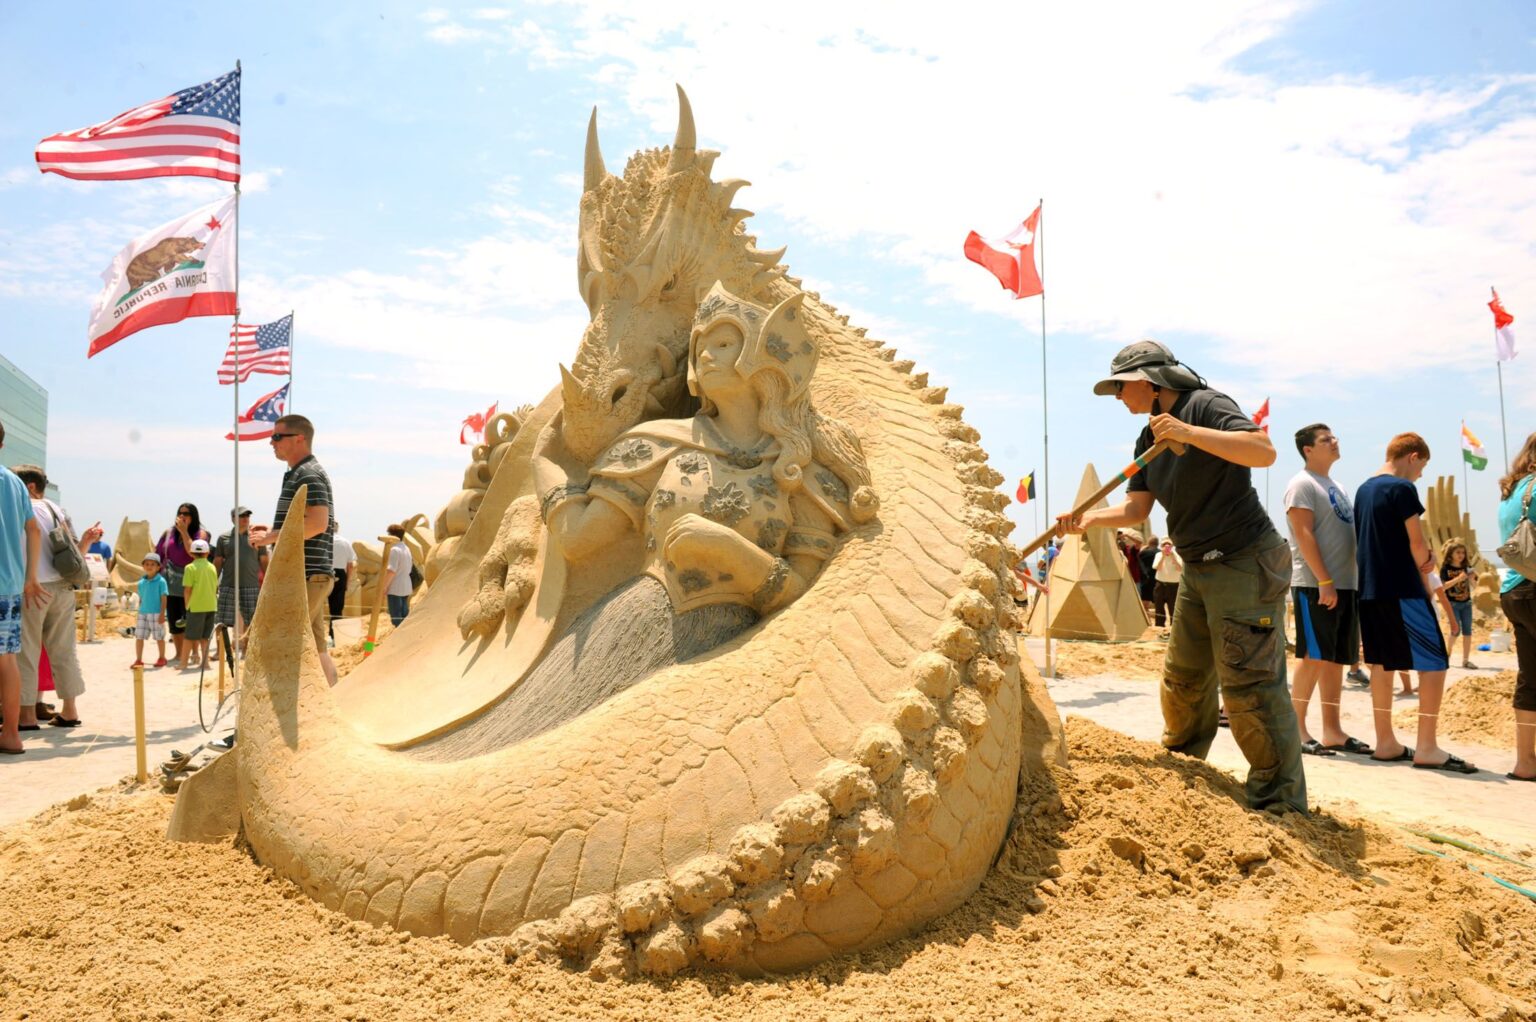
1295, 225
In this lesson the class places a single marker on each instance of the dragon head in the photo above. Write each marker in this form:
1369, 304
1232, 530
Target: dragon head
652, 242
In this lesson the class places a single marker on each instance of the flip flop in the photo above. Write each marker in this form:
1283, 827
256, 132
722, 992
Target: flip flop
1401, 757
1516, 777
1315, 748
1352, 745
59, 721
1452, 764
13, 752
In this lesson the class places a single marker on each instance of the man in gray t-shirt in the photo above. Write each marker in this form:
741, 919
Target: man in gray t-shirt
1324, 581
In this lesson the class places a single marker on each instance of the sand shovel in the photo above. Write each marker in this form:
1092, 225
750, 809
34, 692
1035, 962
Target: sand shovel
1110, 487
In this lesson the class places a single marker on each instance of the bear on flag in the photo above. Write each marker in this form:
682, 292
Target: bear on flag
180, 269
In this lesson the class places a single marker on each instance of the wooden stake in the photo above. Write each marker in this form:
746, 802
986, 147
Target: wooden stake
138, 725
372, 639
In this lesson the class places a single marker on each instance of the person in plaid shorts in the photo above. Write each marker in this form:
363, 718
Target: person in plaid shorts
153, 593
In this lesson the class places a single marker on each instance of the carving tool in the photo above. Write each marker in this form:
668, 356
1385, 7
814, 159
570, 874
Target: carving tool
1110, 487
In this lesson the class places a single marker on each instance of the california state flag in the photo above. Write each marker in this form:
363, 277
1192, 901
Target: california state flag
184, 268
1472, 449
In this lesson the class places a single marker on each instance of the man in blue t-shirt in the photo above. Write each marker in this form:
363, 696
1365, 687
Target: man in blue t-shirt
1398, 628
1226, 642
21, 543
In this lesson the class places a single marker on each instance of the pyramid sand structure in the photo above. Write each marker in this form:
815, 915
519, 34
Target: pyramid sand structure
1092, 593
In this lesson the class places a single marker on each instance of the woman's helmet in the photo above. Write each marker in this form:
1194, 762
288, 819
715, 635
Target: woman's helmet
771, 338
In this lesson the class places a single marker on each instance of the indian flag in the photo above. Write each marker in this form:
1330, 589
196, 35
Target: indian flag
1472, 449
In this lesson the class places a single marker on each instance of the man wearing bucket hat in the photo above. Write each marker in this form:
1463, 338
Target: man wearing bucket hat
1230, 611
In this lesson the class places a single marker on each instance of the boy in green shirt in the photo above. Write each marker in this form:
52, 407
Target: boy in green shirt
200, 586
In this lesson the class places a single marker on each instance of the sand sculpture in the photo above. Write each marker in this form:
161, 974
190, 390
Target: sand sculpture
128, 552
1092, 594
1443, 521
453, 520
723, 672
370, 564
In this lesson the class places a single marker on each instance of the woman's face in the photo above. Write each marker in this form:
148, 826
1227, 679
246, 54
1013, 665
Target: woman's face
183, 516
715, 363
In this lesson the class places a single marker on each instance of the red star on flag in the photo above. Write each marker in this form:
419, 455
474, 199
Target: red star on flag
213, 223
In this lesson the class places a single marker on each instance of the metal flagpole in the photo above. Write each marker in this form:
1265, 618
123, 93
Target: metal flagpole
1499, 364
1045, 418
1465, 485
234, 522
289, 409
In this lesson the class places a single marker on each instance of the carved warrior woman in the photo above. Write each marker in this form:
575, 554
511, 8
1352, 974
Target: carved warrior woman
738, 508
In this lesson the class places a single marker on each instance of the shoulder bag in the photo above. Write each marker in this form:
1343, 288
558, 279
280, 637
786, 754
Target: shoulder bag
1519, 551
64, 549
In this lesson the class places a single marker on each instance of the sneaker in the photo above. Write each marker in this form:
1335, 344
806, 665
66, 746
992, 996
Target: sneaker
160, 662
1359, 677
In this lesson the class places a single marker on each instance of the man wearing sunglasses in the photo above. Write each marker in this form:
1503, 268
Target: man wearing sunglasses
291, 439
1230, 611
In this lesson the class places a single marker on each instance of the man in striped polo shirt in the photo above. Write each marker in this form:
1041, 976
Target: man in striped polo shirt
292, 437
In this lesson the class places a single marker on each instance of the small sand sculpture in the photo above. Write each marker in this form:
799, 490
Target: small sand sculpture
133, 542
1444, 520
723, 670
1092, 594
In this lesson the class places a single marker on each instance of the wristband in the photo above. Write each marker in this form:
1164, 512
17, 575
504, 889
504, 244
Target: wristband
1324, 582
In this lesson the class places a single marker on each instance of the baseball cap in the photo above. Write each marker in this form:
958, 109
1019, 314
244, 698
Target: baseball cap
151, 557
199, 546
239, 512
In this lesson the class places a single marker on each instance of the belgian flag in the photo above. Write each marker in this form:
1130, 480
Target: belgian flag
1026, 492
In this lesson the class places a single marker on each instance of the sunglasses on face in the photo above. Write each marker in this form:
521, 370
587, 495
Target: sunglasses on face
282, 436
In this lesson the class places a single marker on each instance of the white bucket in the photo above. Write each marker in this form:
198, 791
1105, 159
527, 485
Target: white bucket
1498, 642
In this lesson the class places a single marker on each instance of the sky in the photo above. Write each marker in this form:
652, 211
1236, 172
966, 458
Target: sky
1306, 201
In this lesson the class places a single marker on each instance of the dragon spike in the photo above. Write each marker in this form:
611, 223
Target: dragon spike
570, 387
707, 159
729, 187
687, 138
770, 258
595, 171
736, 216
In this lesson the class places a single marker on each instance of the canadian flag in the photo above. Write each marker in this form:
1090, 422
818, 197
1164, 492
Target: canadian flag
1014, 263
1503, 329
473, 429
1261, 417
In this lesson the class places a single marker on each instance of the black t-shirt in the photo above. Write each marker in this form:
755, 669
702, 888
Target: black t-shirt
1461, 590
1211, 504
1383, 505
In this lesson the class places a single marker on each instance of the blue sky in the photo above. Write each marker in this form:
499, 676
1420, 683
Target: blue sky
1306, 201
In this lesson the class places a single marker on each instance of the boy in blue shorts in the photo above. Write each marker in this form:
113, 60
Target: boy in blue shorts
18, 582
1398, 628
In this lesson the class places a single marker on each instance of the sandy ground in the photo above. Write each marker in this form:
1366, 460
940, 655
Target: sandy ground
1485, 804
1134, 885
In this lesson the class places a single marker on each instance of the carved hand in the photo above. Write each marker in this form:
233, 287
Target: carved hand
696, 541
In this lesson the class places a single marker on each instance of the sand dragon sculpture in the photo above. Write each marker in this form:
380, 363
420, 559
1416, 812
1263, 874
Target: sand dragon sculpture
724, 670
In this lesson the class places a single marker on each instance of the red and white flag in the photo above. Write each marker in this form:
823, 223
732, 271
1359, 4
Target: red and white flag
180, 269
1261, 417
1503, 329
194, 133
473, 429
260, 420
1013, 261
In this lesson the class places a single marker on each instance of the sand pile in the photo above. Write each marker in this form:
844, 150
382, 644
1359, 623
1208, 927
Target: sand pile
1140, 890
108, 625
1134, 661
1479, 708
348, 656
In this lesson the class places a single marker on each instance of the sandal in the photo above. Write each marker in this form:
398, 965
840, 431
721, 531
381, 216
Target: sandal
1313, 747
1401, 757
59, 721
1452, 764
1516, 777
1351, 745
1469, 665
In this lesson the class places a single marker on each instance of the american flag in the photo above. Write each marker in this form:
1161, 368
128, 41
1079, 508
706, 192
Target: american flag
262, 349
261, 420
194, 132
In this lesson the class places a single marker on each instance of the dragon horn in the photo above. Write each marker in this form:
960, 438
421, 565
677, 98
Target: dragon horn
595, 171
687, 139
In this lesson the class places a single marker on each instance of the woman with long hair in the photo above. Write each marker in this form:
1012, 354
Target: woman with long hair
1517, 597
175, 550
1457, 574
736, 510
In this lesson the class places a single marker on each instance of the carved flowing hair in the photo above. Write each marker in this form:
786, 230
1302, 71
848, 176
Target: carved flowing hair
804, 434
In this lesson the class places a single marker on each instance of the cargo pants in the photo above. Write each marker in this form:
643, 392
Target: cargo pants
1228, 628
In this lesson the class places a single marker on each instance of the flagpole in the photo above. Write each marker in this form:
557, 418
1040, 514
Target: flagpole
234, 523
1503, 428
1045, 429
